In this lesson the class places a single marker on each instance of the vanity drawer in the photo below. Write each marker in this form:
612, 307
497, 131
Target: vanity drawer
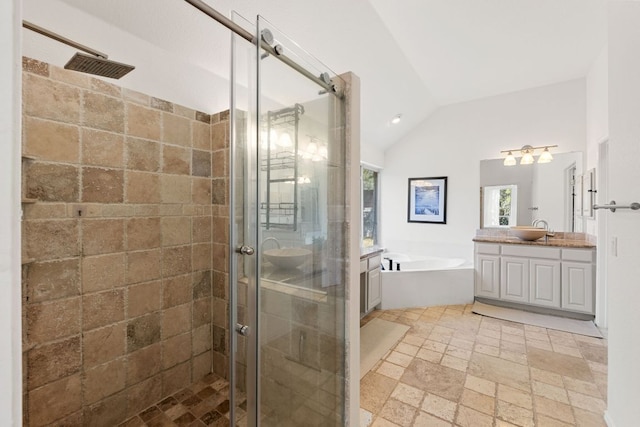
580, 255
531, 251
375, 261
363, 265
488, 248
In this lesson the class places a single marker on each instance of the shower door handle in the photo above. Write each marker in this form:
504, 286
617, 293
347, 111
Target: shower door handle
245, 250
242, 329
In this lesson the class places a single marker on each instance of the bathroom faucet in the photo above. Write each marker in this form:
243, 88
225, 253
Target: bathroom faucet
271, 238
541, 221
549, 232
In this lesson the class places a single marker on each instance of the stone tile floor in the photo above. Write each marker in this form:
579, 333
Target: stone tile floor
205, 403
454, 367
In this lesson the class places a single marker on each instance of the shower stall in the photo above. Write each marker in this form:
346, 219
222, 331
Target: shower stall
182, 265
288, 252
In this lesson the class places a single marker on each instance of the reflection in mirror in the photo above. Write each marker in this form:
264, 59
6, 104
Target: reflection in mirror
500, 203
544, 191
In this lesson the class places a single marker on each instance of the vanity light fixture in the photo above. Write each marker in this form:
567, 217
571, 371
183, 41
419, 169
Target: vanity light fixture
315, 150
396, 119
546, 156
527, 157
510, 160
527, 152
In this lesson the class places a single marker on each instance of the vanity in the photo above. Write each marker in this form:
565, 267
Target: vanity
370, 280
554, 276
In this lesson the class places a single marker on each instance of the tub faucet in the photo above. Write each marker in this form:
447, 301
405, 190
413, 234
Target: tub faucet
273, 239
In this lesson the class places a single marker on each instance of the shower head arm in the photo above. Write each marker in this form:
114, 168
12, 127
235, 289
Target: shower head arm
57, 37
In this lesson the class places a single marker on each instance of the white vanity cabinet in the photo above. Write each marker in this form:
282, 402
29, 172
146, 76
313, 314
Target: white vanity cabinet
546, 276
514, 279
531, 275
487, 270
370, 283
374, 287
544, 288
578, 272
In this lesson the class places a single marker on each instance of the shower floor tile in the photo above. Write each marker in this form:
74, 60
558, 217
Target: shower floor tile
471, 370
205, 403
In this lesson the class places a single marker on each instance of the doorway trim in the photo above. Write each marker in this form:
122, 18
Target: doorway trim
602, 197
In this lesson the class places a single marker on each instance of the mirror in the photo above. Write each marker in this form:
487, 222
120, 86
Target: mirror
520, 194
500, 205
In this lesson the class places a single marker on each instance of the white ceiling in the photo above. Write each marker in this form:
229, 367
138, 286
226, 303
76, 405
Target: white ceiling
411, 58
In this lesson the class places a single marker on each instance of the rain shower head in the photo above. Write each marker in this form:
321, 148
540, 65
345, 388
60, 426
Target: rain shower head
96, 63
98, 66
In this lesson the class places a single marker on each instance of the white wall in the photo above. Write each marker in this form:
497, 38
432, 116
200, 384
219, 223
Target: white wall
623, 269
453, 141
597, 107
597, 119
10, 299
372, 155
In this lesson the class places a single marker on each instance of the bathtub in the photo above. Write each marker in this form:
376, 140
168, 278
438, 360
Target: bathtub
425, 281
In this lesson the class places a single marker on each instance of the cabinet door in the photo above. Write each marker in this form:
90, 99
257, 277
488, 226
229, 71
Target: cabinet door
374, 288
577, 286
514, 279
363, 293
544, 283
487, 276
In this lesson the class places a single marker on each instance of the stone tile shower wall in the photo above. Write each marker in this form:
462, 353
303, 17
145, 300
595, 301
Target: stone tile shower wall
124, 248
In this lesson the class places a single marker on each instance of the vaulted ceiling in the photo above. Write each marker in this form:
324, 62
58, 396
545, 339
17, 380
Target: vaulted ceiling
412, 56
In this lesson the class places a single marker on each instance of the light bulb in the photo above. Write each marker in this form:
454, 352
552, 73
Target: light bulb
285, 140
323, 152
312, 147
546, 156
510, 160
396, 119
527, 158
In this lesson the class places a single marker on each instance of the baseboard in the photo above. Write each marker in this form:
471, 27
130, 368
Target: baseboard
536, 309
608, 420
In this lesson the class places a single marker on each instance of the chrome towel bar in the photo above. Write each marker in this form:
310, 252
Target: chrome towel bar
612, 206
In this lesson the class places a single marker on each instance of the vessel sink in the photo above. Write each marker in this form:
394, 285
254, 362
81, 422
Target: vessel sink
528, 233
287, 258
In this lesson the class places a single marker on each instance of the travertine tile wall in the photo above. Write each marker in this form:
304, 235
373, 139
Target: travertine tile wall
124, 247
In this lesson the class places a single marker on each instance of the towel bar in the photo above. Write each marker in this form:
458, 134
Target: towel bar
612, 206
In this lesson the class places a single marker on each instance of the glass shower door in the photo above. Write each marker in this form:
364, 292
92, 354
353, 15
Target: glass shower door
288, 350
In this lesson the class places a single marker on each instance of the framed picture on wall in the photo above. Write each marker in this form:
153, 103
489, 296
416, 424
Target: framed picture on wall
428, 200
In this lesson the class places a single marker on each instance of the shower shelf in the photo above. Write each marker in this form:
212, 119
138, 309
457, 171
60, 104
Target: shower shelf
280, 214
280, 166
283, 160
290, 207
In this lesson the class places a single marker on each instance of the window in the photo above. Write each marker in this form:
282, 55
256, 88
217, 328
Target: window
370, 196
500, 205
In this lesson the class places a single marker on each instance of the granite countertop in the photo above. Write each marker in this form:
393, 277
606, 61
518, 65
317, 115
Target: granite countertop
564, 243
371, 251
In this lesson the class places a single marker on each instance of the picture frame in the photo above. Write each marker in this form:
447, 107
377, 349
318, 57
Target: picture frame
427, 200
